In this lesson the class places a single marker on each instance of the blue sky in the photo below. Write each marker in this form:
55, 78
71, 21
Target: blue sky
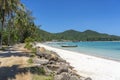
60, 15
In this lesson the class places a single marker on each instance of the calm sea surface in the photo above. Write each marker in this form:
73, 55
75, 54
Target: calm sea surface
109, 50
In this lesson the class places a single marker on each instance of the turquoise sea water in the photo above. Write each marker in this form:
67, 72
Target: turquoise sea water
109, 50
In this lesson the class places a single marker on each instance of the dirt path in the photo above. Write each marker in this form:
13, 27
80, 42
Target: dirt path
12, 65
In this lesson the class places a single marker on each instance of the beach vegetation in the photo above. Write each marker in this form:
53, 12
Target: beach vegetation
8, 9
30, 60
28, 46
42, 77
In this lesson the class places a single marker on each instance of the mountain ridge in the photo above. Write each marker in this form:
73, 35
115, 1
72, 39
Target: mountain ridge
87, 35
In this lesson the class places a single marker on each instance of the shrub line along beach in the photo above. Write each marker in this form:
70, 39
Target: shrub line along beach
89, 66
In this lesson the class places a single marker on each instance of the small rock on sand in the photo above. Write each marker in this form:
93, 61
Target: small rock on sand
42, 49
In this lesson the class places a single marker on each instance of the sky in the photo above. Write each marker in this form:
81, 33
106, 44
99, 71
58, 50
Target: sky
60, 15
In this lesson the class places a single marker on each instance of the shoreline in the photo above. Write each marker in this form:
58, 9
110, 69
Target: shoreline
89, 66
106, 58
103, 57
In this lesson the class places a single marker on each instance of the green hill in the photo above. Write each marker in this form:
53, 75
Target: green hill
73, 35
87, 35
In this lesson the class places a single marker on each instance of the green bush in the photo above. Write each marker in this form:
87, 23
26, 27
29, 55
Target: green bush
29, 39
30, 60
34, 50
2, 49
42, 77
28, 46
38, 70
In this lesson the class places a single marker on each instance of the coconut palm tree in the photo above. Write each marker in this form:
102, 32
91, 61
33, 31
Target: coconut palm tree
8, 8
24, 23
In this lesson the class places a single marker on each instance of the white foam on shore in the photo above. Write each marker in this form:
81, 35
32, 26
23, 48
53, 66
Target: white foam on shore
89, 66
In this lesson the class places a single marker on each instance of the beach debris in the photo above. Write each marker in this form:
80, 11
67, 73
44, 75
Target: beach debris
88, 78
41, 61
66, 76
42, 49
47, 71
63, 68
74, 77
53, 57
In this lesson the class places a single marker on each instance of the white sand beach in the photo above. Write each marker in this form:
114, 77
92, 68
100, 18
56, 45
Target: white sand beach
89, 66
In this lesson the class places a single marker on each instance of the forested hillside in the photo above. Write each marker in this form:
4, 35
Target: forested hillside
72, 35
87, 35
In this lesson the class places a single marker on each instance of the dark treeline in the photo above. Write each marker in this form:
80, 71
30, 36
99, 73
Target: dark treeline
17, 25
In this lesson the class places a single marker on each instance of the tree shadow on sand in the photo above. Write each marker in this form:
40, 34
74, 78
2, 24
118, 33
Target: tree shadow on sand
15, 53
9, 73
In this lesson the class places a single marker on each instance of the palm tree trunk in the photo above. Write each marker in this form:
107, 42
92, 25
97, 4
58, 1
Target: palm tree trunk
9, 37
3, 20
1, 38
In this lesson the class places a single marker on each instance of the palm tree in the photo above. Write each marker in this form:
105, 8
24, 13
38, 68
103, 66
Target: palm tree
24, 23
8, 8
